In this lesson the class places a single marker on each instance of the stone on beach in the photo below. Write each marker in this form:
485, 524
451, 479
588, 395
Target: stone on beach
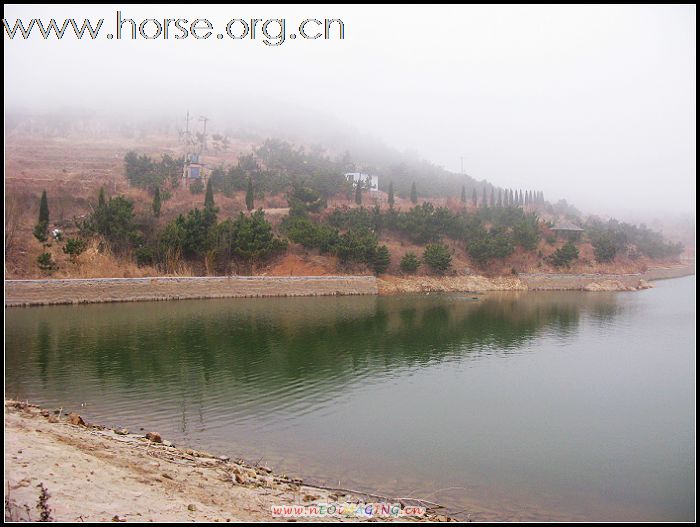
75, 419
154, 436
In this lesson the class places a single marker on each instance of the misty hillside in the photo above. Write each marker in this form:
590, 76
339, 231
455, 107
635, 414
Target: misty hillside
92, 171
328, 145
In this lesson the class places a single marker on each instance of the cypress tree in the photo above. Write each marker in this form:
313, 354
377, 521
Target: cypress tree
391, 193
463, 199
249, 196
44, 209
483, 197
474, 198
209, 196
156, 202
500, 198
101, 199
358, 192
210, 210
41, 229
493, 198
414, 194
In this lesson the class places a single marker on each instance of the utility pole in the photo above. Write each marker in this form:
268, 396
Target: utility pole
204, 133
186, 134
187, 145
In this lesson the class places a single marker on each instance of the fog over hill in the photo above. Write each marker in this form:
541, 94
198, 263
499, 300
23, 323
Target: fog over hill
592, 104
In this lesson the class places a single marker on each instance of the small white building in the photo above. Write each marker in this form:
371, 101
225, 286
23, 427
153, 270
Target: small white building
369, 182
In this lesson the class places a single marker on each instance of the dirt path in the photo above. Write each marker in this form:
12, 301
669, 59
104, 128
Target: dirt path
96, 474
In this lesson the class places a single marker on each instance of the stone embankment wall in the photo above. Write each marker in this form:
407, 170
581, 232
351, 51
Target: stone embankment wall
76, 291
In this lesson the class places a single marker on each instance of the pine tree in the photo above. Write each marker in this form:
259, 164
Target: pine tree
156, 202
414, 194
209, 196
358, 193
41, 229
463, 199
391, 193
474, 198
381, 259
437, 256
249, 196
409, 263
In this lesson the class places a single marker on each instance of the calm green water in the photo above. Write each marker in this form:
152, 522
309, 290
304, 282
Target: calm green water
517, 405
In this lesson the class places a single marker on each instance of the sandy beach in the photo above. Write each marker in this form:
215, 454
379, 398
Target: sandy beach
96, 474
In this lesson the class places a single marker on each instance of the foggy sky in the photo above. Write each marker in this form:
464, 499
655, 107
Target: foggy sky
592, 104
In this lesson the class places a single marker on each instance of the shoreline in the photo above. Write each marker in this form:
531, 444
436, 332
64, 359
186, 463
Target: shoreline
103, 290
93, 473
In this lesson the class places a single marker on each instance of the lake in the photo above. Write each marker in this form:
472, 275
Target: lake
529, 405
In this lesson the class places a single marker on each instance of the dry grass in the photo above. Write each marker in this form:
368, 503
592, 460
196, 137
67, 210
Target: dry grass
99, 262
